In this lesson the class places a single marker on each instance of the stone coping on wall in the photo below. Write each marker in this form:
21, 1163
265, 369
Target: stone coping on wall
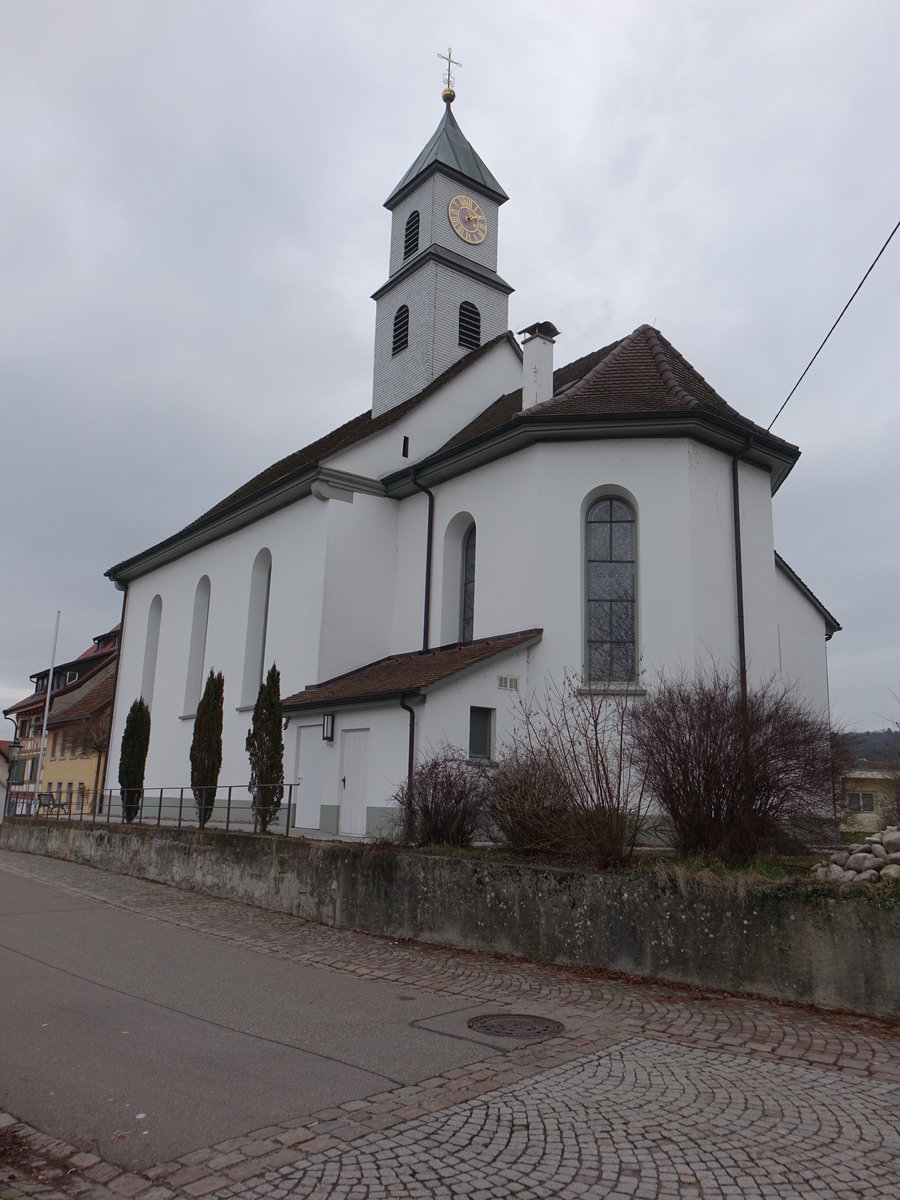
813, 943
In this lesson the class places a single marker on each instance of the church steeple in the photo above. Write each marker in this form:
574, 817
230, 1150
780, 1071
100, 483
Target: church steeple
449, 150
443, 296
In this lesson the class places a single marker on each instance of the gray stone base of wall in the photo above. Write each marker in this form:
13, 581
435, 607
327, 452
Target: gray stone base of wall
803, 943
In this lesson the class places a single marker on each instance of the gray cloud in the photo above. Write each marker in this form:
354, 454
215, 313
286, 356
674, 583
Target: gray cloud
190, 230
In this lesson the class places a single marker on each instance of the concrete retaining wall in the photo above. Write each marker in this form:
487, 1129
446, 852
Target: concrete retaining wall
795, 942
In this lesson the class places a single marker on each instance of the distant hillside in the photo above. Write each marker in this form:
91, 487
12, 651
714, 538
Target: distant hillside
879, 745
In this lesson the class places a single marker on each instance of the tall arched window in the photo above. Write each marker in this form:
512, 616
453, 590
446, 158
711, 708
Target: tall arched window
151, 650
411, 234
469, 325
197, 650
257, 621
467, 587
610, 598
401, 330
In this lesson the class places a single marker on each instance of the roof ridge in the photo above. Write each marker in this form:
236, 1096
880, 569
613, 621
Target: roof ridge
654, 341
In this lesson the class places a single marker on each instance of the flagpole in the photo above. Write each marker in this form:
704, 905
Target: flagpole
40, 770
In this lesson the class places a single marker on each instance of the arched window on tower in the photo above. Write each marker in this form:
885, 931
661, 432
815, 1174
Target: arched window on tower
467, 587
610, 594
469, 325
411, 234
257, 623
401, 329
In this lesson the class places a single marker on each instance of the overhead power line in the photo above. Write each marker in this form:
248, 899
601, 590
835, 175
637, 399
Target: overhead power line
835, 325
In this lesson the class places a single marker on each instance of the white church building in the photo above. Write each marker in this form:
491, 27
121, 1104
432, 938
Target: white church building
491, 522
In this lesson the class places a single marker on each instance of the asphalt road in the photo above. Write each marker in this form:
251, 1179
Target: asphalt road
142, 1041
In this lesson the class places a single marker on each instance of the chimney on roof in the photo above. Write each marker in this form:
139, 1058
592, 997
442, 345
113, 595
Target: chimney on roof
537, 365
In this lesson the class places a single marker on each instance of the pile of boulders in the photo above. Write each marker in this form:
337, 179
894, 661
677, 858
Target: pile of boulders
877, 858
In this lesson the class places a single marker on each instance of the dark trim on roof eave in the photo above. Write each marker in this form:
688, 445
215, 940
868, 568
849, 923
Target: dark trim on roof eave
237, 516
523, 431
401, 192
832, 626
455, 262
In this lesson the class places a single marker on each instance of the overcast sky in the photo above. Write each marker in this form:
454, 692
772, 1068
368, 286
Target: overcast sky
191, 226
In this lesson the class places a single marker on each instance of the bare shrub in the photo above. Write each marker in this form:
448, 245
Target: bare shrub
527, 803
445, 805
737, 775
567, 785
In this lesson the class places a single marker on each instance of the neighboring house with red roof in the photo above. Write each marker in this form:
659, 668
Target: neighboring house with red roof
70, 683
490, 522
4, 773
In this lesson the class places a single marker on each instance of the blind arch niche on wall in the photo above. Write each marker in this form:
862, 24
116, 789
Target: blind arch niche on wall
197, 649
151, 650
257, 622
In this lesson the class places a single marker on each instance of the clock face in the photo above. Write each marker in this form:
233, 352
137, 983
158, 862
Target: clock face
468, 219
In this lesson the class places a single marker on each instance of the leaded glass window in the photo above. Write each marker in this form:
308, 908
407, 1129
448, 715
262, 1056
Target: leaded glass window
467, 597
610, 651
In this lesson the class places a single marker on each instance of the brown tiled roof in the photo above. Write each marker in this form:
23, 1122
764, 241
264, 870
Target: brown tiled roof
95, 694
345, 436
37, 699
640, 374
406, 674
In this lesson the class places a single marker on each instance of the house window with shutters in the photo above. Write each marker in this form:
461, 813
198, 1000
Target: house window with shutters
401, 330
411, 235
469, 325
610, 594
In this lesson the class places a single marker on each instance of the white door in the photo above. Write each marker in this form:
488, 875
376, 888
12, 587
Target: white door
352, 784
308, 777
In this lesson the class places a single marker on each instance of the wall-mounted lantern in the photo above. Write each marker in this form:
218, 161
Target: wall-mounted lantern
328, 727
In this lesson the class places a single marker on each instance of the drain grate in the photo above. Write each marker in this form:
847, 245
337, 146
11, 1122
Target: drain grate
518, 1025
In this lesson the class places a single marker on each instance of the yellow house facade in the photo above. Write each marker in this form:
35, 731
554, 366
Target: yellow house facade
77, 743
869, 797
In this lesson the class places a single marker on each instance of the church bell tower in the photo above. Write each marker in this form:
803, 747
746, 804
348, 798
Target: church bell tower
443, 297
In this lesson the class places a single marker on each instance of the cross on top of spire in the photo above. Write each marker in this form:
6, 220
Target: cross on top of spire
449, 95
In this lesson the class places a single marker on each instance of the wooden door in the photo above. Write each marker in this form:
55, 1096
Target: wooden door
352, 784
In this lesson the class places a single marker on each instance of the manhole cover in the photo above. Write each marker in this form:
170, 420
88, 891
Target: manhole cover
518, 1025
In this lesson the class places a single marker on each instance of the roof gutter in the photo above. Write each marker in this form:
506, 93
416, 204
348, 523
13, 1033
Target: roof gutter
777, 457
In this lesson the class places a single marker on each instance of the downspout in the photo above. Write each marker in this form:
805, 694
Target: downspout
115, 688
739, 572
408, 822
429, 539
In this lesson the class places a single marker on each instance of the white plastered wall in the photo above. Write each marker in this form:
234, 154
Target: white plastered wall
801, 635
296, 539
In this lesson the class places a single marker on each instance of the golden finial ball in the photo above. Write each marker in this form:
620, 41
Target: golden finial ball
448, 95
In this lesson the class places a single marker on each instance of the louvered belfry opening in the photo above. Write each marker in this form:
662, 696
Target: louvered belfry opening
411, 234
401, 329
469, 325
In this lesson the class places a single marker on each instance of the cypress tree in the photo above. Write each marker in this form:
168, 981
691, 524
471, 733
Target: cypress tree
206, 746
265, 745
133, 758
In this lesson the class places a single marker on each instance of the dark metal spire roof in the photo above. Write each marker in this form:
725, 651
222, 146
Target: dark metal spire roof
449, 151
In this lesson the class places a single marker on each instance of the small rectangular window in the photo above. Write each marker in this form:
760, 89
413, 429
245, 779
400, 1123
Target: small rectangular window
53, 745
867, 801
853, 801
481, 731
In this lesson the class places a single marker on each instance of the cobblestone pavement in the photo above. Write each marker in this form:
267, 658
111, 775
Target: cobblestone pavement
650, 1092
